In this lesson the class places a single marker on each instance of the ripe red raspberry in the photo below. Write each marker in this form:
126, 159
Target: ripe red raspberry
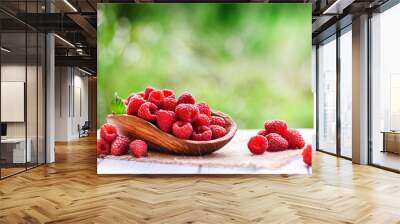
139, 94
202, 120
276, 142
204, 108
218, 121
103, 147
148, 111
126, 101
147, 92
307, 155
262, 132
182, 129
168, 93
120, 145
170, 103
217, 131
134, 105
108, 132
156, 97
165, 119
275, 126
294, 138
202, 133
258, 144
186, 98
187, 112
138, 148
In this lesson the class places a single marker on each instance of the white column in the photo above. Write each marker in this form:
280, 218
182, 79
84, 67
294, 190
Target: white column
50, 93
360, 90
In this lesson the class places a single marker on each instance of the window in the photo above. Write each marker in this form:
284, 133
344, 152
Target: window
346, 93
385, 89
327, 96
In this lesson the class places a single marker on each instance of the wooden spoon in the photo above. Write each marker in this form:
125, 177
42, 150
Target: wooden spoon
139, 128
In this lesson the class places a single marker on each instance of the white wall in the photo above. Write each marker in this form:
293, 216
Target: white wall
70, 83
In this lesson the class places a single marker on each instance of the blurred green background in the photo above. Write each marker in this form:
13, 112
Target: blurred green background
251, 61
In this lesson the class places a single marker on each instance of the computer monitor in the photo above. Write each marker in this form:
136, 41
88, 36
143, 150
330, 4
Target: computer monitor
3, 129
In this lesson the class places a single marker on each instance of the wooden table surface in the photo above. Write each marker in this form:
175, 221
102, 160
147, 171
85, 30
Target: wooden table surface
234, 158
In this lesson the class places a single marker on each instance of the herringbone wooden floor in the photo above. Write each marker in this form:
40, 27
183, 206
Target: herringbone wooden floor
70, 191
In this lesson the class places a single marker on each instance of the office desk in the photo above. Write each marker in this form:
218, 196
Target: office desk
13, 150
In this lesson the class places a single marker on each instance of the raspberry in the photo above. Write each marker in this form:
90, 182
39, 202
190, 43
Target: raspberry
262, 132
307, 155
120, 145
169, 103
148, 111
156, 97
218, 121
275, 126
204, 108
134, 105
138, 148
103, 147
217, 131
186, 98
147, 92
202, 120
202, 133
139, 94
187, 112
276, 142
294, 138
108, 132
258, 144
165, 119
168, 93
182, 129
126, 101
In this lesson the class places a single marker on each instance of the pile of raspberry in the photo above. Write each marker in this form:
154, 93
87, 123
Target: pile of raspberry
112, 143
181, 117
278, 137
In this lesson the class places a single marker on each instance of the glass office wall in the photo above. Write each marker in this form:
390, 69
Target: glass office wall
327, 95
385, 89
22, 93
13, 94
346, 92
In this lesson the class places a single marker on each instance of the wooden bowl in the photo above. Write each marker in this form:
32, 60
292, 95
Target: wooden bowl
161, 141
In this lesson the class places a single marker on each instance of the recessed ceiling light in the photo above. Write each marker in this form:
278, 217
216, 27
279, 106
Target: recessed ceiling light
337, 7
65, 41
84, 71
5, 50
70, 5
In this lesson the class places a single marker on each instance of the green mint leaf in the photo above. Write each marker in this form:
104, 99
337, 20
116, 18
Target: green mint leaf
117, 105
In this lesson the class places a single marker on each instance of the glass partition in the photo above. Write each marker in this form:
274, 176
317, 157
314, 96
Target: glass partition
327, 96
346, 93
31, 97
14, 155
22, 77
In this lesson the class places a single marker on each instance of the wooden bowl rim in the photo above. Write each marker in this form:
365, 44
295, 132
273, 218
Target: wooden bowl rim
229, 135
